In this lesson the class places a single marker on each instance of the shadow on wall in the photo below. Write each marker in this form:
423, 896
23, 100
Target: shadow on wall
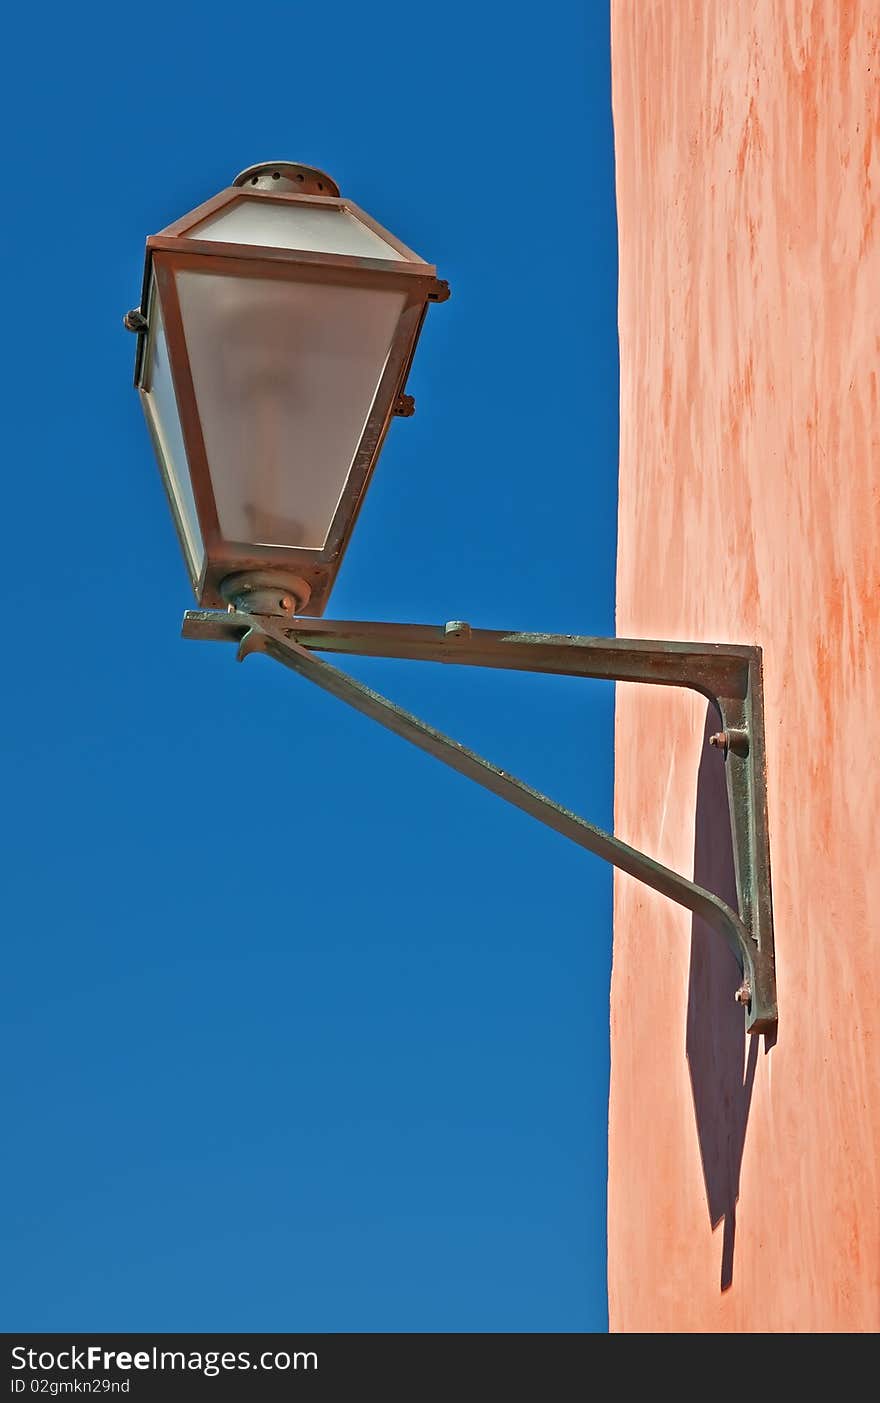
722, 1076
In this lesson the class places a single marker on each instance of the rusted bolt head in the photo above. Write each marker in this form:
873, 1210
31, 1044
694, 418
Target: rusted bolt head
732, 740
743, 994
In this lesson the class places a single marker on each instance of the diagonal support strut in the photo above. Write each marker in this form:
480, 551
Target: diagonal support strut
702, 667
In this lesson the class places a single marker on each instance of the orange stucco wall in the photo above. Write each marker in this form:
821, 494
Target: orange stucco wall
743, 1181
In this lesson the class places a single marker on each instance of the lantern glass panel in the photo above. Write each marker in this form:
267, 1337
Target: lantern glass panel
163, 417
285, 376
316, 228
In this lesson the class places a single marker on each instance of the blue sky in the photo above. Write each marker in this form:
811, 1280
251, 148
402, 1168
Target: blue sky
303, 1031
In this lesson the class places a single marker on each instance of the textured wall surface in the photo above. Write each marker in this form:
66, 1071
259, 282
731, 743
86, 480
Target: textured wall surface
743, 1181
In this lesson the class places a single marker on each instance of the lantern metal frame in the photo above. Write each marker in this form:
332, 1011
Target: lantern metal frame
175, 250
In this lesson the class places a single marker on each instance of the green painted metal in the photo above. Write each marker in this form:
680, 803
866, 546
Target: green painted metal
729, 676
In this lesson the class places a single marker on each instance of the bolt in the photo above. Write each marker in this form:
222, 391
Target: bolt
735, 740
457, 628
743, 994
134, 320
286, 603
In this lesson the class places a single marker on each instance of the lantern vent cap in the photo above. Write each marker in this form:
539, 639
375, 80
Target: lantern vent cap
288, 177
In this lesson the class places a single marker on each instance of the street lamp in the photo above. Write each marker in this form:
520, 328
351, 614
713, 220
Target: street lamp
277, 326
276, 329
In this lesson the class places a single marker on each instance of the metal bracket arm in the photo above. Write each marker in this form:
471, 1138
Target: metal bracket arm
729, 676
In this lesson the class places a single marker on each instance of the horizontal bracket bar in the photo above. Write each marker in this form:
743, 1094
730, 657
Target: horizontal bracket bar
729, 676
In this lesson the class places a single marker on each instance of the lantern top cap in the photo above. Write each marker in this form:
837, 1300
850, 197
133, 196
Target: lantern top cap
288, 176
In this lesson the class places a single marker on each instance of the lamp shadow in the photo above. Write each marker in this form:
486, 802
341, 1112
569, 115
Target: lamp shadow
722, 1075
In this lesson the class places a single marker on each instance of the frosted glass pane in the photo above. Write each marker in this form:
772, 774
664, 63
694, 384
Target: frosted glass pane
285, 377
160, 406
318, 228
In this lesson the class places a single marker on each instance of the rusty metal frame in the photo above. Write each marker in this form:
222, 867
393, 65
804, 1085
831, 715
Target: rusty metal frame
174, 251
730, 676
234, 195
